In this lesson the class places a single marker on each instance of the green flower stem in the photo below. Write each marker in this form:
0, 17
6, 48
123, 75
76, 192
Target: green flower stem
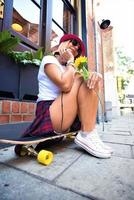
84, 72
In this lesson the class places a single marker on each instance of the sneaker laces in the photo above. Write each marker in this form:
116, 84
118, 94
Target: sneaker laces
98, 139
94, 137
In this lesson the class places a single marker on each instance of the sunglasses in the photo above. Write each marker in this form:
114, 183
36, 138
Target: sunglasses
76, 43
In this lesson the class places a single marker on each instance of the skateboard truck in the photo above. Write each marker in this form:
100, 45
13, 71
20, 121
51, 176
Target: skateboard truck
27, 146
44, 157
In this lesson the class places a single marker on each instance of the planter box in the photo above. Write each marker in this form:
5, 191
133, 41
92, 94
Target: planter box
9, 78
18, 81
28, 82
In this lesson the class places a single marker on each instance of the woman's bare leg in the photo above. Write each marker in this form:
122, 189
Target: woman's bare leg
88, 105
80, 100
83, 101
65, 108
88, 137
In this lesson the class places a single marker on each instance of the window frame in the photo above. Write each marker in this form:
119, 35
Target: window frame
73, 12
45, 24
73, 20
7, 21
83, 20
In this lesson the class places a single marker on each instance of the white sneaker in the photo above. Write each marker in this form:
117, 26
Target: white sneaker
104, 146
91, 144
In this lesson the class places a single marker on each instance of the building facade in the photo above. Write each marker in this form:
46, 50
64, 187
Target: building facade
41, 23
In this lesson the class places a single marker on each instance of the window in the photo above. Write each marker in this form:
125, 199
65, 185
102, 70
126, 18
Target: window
39, 22
26, 19
63, 15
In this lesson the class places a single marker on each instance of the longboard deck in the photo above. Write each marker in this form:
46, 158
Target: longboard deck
34, 139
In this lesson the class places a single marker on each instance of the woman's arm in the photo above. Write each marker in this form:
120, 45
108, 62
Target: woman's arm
64, 80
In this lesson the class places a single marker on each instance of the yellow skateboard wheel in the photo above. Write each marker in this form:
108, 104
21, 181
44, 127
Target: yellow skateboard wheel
45, 157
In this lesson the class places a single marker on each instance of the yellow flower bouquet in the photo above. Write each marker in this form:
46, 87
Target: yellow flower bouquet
81, 65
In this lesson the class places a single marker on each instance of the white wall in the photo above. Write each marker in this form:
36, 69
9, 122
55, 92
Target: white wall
111, 93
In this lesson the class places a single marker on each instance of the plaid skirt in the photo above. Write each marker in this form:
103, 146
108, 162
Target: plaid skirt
42, 125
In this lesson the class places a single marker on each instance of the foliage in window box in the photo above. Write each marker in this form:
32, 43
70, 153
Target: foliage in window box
7, 45
27, 57
8, 42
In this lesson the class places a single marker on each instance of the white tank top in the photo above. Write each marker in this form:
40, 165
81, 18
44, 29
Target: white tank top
47, 89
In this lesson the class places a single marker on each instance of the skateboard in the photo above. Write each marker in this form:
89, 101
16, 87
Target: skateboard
27, 146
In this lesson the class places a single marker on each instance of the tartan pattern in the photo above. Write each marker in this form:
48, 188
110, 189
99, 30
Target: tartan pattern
76, 125
42, 125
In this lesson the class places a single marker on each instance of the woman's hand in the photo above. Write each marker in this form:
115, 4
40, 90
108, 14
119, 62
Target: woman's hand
65, 52
67, 55
94, 80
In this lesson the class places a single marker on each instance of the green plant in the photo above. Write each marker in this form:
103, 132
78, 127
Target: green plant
27, 57
8, 42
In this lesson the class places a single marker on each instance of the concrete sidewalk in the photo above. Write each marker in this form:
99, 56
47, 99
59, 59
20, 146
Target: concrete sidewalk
74, 174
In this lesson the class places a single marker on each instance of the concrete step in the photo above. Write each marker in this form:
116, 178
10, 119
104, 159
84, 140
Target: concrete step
11, 131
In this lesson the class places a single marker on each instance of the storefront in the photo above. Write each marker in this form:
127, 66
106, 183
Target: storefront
38, 23
42, 22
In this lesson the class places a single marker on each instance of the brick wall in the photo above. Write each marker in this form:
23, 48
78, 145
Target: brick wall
15, 111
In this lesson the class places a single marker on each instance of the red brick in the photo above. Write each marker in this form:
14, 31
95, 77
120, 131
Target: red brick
16, 118
6, 107
32, 107
4, 119
28, 118
24, 107
15, 107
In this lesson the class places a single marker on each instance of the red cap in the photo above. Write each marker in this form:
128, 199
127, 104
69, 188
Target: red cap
75, 37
